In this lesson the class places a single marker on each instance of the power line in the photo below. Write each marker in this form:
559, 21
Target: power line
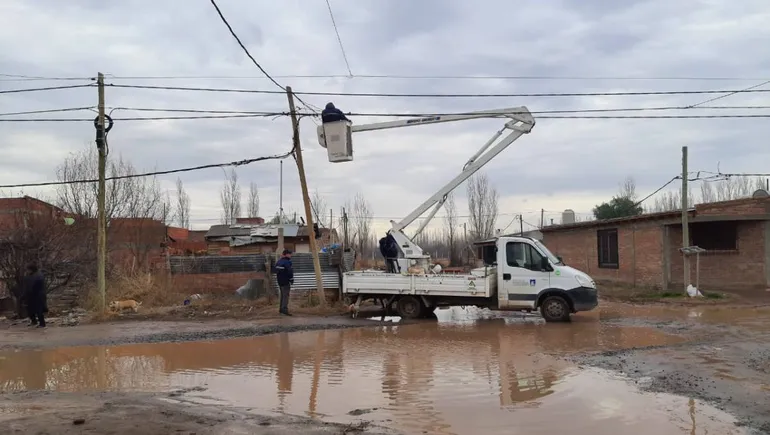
243, 47
154, 173
47, 88
638, 203
413, 95
19, 77
35, 112
339, 39
728, 95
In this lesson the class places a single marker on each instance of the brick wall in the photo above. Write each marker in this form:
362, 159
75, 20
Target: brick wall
640, 252
744, 268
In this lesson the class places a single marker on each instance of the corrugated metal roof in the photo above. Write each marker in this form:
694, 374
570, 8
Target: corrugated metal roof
227, 230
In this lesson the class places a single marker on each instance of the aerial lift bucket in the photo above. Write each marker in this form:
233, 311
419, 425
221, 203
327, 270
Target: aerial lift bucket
336, 137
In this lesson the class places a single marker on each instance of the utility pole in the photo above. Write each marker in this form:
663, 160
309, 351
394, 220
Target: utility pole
542, 216
521, 225
306, 199
685, 221
101, 218
465, 243
331, 226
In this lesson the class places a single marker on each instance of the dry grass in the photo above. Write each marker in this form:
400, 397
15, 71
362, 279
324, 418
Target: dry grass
626, 293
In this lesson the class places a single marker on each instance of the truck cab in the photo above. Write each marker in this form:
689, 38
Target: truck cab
531, 277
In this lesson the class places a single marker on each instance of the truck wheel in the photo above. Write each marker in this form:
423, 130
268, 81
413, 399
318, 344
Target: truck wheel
555, 309
409, 307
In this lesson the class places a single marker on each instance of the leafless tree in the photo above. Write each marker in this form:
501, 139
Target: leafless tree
252, 206
360, 222
182, 205
320, 207
710, 191
64, 251
482, 207
628, 189
126, 197
452, 225
230, 197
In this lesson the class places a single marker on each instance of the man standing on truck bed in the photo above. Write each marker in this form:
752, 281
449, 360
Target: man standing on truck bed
284, 274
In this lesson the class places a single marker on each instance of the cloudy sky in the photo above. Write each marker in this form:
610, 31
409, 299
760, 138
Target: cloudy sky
568, 46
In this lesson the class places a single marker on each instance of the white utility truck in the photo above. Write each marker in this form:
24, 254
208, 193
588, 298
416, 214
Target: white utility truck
520, 273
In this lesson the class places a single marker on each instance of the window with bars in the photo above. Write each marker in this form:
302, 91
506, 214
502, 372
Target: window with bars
607, 243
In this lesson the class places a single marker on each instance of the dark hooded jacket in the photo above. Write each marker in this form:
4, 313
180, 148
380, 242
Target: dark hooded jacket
332, 114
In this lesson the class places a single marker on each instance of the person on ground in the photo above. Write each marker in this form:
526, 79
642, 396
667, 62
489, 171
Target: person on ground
332, 114
285, 276
34, 293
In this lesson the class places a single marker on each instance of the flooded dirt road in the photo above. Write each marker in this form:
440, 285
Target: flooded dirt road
470, 372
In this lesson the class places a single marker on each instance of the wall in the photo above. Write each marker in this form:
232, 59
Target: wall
742, 269
640, 252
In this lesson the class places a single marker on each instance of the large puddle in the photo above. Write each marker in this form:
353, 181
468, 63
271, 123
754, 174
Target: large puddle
496, 375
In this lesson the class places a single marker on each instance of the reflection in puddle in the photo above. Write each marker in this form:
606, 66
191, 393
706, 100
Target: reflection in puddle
434, 377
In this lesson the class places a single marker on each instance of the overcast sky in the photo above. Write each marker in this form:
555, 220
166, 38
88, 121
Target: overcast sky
563, 163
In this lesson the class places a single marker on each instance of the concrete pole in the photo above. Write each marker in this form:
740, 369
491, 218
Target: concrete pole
101, 215
685, 221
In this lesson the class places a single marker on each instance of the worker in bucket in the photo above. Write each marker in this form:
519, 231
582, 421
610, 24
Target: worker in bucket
332, 114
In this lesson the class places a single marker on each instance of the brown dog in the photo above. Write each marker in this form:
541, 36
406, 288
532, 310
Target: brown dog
127, 304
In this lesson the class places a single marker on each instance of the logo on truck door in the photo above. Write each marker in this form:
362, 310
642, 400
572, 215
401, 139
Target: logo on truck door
532, 282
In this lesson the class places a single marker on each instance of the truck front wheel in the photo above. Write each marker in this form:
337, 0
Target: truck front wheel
555, 309
409, 307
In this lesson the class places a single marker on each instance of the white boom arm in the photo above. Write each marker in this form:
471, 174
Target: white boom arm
521, 122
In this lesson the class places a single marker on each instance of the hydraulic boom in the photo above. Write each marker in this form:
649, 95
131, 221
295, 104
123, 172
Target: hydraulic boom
520, 122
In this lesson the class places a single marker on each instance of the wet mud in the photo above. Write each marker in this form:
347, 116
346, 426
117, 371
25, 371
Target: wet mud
724, 360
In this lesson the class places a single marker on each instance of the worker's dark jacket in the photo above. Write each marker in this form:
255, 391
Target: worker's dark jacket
332, 114
34, 291
284, 272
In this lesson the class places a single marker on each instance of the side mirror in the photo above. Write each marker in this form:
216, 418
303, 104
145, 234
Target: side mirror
561, 260
544, 264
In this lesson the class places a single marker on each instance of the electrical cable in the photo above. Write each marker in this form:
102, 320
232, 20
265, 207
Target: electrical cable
48, 88
636, 204
154, 173
19, 77
729, 94
339, 39
407, 95
35, 112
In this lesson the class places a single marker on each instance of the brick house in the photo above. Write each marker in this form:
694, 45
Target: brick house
644, 251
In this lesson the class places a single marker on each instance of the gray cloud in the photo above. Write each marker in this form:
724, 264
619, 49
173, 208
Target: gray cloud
562, 163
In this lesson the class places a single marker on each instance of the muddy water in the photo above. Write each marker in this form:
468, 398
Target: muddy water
460, 375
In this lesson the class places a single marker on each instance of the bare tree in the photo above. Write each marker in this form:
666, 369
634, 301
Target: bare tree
452, 225
482, 207
320, 207
125, 197
707, 192
252, 207
182, 205
65, 251
628, 189
360, 215
230, 197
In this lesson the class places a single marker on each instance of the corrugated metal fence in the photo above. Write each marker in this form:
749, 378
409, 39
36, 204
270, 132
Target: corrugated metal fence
304, 274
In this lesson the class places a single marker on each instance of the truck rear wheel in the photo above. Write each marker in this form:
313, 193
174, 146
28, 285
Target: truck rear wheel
409, 307
555, 309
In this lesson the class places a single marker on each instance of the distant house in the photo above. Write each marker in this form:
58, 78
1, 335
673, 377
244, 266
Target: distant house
250, 237
644, 250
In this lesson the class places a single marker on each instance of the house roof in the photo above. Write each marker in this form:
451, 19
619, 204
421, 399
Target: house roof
615, 221
225, 231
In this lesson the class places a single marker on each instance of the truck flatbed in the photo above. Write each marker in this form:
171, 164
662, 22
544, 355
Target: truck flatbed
480, 283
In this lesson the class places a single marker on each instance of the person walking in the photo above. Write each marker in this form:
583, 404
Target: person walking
284, 274
34, 293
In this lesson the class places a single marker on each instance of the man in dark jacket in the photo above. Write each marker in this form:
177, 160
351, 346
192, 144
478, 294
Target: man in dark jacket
284, 274
34, 294
332, 114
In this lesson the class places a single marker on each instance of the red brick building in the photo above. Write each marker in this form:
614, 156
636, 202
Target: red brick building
644, 250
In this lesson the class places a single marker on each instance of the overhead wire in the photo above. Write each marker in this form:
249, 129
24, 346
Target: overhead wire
20, 77
729, 94
47, 88
153, 173
339, 39
438, 95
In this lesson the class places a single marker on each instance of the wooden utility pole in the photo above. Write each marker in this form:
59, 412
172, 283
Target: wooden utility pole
685, 221
542, 216
521, 225
306, 199
101, 215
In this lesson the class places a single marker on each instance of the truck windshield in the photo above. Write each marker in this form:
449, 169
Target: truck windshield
552, 258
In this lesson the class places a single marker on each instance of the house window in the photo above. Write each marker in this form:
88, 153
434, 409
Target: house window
715, 236
608, 248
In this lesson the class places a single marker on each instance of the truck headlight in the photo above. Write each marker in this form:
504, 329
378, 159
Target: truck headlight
584, 281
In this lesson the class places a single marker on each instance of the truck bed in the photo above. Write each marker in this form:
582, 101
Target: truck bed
480, 283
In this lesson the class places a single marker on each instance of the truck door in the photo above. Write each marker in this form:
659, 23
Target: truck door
521, 277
